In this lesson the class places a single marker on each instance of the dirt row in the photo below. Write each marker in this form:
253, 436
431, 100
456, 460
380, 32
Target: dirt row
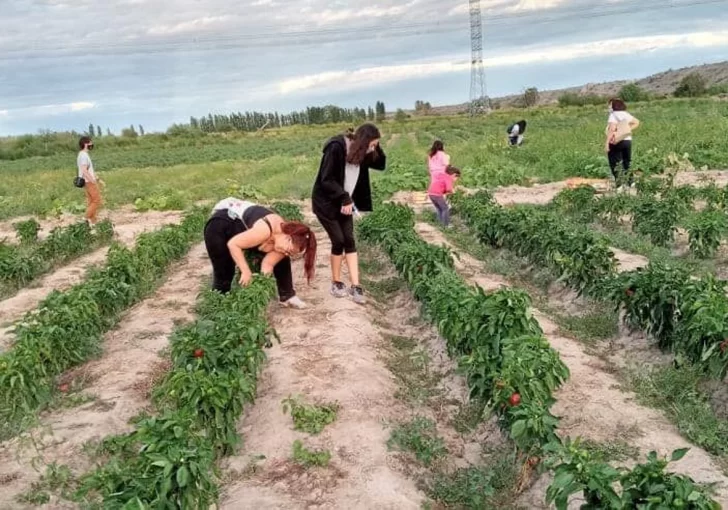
591, 404
126, 229
329, 353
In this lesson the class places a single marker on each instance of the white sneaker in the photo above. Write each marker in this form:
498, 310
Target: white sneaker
294, 302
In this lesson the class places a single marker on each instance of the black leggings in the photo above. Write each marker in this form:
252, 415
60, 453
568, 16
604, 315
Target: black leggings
217, 234
341, 233
621, 151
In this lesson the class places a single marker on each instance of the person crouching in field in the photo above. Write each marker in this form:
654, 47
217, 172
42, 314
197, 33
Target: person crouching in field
342, 187
437, 159
441, 185
237, 226
619, 141
90, 180
515, 133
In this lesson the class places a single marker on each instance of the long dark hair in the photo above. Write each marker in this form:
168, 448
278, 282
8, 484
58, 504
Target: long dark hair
618, 105
436, 147
360, 140
304, 239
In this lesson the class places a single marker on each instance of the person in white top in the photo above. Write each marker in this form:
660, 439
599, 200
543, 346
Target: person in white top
618, 145
515, 133
91, 181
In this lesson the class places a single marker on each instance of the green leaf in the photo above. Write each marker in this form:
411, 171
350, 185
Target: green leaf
183, 476
679, 454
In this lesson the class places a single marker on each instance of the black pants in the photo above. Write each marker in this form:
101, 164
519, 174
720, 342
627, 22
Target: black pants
620, 152
340, 232
217, 234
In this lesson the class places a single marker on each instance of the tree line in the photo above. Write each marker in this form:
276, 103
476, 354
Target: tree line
253, 121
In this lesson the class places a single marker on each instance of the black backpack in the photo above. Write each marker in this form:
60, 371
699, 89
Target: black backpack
79, 182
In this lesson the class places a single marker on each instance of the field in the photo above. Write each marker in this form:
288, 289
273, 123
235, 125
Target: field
558, 346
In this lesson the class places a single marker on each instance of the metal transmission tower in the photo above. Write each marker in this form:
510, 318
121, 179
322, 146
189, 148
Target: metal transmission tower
479, 102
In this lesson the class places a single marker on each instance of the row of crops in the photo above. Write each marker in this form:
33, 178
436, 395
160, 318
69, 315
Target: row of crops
170, 458
510, 367
22, 263
656, 212
685, 314
67, 327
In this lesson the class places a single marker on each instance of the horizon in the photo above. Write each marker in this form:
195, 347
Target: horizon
156, 68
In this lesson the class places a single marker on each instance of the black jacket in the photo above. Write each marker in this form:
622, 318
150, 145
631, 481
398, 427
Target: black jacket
328, 191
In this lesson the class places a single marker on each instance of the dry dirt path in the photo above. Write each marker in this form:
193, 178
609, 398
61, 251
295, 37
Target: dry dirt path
328, 353
119, 382
590, 403
125, 215
125, 231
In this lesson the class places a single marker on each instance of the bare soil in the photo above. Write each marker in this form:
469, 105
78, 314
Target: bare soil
329, 353
591, 405
118, 384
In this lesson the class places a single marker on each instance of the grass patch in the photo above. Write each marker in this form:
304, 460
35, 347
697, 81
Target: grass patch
468, 417
310, 418
611, 451
417, 382
57, 477
676, 392
489, 486
310, 458
593, 326
420, 438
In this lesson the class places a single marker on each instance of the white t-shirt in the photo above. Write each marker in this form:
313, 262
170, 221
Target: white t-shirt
236, 207
617, 117
515, 130
351, 173
82, 160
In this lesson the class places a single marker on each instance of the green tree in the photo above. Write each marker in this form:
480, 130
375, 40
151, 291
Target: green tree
401, 115
530, 97
381, 111
141, 130
129, 132
91, 131
633, 92
692, 85
370, 113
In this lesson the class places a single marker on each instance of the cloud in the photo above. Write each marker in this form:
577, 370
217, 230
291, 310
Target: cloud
508, 6
380, 75
85, 105
330, 16
48, 109
188, 26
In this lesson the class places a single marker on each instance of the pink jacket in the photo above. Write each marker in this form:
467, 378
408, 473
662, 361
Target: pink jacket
441, 184
438, 163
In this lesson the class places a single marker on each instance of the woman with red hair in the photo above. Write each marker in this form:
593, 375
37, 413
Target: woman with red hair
236, 226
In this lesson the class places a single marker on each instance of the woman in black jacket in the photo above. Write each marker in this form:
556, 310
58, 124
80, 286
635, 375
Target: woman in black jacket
342, 185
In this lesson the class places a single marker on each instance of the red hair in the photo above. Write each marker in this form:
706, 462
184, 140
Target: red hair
304, 239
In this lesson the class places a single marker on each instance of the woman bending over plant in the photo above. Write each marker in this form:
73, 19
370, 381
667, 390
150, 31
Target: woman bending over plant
237, 226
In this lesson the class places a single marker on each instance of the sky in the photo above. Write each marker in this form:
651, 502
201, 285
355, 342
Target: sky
67, 63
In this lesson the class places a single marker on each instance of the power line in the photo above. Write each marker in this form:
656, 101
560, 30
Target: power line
331, 36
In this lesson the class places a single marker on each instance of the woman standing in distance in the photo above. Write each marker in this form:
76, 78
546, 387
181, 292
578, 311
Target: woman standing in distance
342, 183
619, 140
238, 225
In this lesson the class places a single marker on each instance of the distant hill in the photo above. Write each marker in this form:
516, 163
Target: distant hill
661, 84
